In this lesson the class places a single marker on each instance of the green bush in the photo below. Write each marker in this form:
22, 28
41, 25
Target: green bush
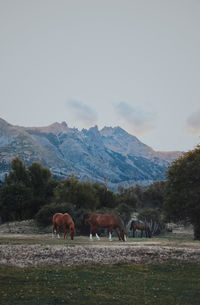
153, 218
45, 214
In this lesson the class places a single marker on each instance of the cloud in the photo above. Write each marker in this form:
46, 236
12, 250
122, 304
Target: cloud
82, 112
193, 122
135, 119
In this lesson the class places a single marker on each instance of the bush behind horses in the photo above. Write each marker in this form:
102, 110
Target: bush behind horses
45, 214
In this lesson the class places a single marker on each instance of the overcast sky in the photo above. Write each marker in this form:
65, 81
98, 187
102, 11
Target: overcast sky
128, 63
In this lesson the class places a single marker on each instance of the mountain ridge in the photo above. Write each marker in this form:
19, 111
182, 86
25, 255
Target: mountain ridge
110, 154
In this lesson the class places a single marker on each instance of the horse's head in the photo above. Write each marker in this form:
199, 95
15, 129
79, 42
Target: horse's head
72, 232
123, 234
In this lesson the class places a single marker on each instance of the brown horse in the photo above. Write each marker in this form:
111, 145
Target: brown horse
142, 226
63, 220
109, 221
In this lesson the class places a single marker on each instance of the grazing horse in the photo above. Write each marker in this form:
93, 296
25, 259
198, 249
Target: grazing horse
140, 225
110, 221
63, 220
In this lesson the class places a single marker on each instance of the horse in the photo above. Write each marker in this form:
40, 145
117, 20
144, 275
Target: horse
63, 220
142, 226
110, 221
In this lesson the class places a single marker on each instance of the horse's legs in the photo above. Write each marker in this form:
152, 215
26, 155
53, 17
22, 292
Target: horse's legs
122, 235
117, 233
125, 237
58, 231
110, 234
65, 231
93, 230
149, 233
134, 232
97, 236
53, 230
141, 233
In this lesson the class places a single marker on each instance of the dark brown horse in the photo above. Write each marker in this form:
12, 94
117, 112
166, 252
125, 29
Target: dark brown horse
65, 221
110, 221
142, 226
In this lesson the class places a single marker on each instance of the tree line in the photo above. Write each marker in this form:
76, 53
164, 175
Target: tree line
32, 192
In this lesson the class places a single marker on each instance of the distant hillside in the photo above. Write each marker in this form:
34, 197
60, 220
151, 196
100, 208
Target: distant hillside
109, 155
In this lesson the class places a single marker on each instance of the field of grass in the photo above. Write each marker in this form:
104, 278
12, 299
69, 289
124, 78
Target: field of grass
46, 239
173, 283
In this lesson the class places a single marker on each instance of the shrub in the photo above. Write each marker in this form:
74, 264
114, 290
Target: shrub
45, 214
153, 218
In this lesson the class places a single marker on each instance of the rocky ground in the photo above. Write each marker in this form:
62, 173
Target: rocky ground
23, 255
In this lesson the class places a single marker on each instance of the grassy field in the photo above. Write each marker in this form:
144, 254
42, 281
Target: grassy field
173, 283
169, 239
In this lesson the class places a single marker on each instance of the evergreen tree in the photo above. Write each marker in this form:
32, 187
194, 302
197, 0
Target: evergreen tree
153, 195
15, 202
81, 194
25, 190
183, 189
40, 179
106, 197
131, 196
18, 173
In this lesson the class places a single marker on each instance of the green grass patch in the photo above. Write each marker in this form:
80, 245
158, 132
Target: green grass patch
46, 239
174, 283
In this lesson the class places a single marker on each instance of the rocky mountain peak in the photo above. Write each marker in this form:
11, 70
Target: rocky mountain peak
110, 131
92, 132
3, 123
54, 128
